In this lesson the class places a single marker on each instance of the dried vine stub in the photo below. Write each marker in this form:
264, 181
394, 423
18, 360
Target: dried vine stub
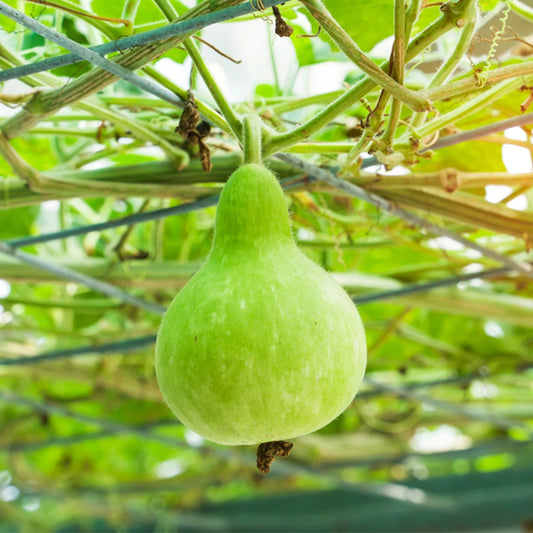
281, 28
195, 130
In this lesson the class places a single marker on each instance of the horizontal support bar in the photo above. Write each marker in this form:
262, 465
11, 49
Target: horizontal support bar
179, 28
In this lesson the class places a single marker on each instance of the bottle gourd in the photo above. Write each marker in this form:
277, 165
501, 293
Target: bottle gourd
261, 344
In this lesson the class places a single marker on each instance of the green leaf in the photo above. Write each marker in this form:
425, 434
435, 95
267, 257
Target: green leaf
147, 12
7, 24
425, 18
104, 8
487, 5
313, 49
265, 90
470, 156
37, 151
17, 222
368, 23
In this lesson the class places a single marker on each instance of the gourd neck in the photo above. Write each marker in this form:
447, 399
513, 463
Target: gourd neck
252, 211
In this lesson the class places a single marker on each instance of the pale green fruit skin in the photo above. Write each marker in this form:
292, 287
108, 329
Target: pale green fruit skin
261, 344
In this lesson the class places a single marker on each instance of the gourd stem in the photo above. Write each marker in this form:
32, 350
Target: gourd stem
252, 132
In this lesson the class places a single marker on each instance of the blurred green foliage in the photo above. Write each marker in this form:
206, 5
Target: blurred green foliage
86, 442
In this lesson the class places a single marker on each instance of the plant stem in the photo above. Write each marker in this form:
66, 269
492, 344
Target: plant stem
471, 135
348, 46
455, 179
397, 71
49, 102
522, 9
129, 10
403, 23
171, 274
290, 104
167, 9
226, 110
321, 148
83, 159
133, 180
469, 84
467, 108
102, 24
179, 157
410, 17
283, 140
447, 68
137, 102
93, 57
19, 166
122, 242
252, 132
205, 111
66, 273
195, 19
390, 207
360, 146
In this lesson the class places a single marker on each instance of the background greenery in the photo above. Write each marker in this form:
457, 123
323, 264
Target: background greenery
440, 435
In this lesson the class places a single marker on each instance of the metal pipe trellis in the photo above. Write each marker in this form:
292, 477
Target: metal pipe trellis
178, 28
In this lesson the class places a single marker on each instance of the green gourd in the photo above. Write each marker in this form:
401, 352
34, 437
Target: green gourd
261, 344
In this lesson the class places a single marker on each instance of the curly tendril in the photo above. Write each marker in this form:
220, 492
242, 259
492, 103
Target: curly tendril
481, 70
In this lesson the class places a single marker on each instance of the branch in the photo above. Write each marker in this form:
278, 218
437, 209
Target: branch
461, 410
252, 138
447, 68
353, 52
470, 135
93, 57
398, 65
216, 93
138, 343
49, 102
180, 158
66, 273
414, 288
124, 346
129, 9
110, 425
18, 165
448, 179
388, 207
469, 84
137, 218
469, 107
281, 141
